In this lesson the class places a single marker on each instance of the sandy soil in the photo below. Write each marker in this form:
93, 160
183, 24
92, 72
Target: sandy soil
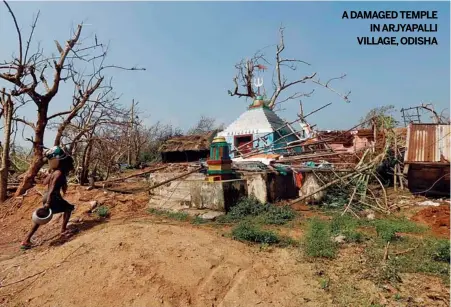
134, 259
437, 218
148, 264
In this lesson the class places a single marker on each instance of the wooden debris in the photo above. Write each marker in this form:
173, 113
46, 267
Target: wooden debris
131, 176
331, 184
386, 251
174, 178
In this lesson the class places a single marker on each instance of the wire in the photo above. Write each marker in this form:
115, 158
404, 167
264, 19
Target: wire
425, 191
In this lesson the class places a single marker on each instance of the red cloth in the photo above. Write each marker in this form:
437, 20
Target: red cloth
299, 178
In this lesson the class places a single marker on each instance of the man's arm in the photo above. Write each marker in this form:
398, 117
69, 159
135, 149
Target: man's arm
64, 188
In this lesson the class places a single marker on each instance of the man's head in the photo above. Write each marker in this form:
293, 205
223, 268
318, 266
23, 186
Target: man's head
55, 152
59, 159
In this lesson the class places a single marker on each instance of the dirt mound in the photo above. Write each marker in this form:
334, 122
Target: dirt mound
15, 214
147, 264
437, 218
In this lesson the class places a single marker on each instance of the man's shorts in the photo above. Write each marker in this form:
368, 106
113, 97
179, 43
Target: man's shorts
58, 204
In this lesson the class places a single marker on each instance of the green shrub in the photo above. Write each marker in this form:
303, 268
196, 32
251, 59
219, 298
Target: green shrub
324, 283
180, 216
103, 211
248, 232
278, 215
318, 242
346, 225
198, 220
353, 236
387, 229
429, 256
343, 223
440, 250
251, 208
156, 211
335, 198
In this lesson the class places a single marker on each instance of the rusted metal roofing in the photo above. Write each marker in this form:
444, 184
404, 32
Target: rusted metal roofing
428, 143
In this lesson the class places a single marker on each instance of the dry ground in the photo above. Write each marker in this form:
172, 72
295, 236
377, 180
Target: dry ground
134, 259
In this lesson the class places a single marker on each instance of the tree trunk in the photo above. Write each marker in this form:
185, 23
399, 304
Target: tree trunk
38, 151
5, 163
108, 170
86, 159
81, 102
59, 134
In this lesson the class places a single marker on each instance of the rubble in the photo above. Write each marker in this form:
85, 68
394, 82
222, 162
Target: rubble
428, 203
211, 215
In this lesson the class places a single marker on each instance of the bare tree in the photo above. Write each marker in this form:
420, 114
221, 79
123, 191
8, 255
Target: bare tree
204, 125
156, 135
247, 70
85, 131
436, 117
136, 135
6, 112
23, 72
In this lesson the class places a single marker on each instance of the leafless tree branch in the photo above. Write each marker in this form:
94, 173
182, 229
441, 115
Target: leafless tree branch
246, 70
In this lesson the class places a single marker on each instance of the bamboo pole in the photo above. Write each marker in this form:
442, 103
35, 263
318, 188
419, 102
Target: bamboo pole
131, 176
281, 127
174, 178
357, 173
350, 200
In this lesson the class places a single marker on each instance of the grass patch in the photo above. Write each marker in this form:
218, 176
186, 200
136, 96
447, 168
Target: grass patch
346, 225
318, 242
324, 283
103, 211
440, 250
335, 198
423, 260
251, 208
253, 233
411, 255
180, 216
198, 221
386, 229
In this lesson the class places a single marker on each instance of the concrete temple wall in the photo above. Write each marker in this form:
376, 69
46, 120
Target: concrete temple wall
309, 185
219, 195
270, 187
193, 192
175, 195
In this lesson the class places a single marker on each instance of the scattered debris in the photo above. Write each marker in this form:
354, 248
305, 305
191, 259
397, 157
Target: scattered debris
339, 239
428, 203
211, 215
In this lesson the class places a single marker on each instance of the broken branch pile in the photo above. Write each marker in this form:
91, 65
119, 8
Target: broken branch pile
361, 188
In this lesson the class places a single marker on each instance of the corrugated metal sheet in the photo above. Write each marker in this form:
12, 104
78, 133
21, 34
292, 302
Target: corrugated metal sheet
428, 143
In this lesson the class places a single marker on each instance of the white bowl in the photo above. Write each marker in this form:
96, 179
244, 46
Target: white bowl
41, 220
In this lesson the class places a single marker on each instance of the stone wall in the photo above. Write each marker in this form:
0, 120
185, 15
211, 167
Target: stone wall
309, 185
175, 195
219, 195
193, 192
270, 187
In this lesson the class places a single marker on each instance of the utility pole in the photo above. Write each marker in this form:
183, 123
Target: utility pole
131, 132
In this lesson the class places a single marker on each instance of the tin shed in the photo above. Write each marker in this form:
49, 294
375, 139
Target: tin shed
427, 158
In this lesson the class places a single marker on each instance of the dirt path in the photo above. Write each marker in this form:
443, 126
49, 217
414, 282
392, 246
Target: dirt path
146, 264
136, 259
